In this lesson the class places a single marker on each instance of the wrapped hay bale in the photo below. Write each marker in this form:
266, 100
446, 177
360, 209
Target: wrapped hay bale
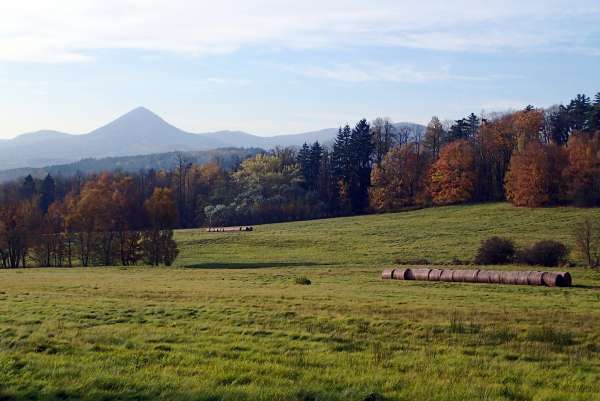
483, 277
494, 277
446, 275
421, 274
522, 278
551, 279
458, 275
402, 274
567, 280
508, 277
470, 276
387, 274
464, 276
535, 278
562, 279
434, 274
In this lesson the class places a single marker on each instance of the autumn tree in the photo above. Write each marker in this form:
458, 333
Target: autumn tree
528, 126
534, 175
19, 224
399, 180
157, 242
582, 175
494, 144
52, 247
383, 134
434, 137
452, 178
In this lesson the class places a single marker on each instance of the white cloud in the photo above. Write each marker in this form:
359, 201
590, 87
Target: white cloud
70, 30
396, 73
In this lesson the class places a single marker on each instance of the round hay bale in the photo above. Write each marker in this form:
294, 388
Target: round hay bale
508, 277
446, 275
535, 278
483, 277
494, 277
458, 276
434, 274
552, 279
470, 276
567, 279
402, 274
421, 274
522, 278
387, 274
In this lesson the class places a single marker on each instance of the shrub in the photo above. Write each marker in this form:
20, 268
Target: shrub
547, 253
495, 251
303, 281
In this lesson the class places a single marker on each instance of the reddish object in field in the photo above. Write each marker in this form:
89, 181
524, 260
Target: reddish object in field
549, 279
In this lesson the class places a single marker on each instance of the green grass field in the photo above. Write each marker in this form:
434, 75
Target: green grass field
230, 322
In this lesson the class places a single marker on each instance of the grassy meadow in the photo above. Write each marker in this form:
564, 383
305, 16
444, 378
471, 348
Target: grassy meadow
230, 322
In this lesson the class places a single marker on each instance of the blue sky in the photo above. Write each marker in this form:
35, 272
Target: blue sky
276, 66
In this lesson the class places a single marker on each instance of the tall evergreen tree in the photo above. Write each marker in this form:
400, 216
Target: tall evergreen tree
472, 125
459, 130
314, 162
361, 149
48, 193
28, 187
594, 115
341, 158
579, 109
303, 159
559, 125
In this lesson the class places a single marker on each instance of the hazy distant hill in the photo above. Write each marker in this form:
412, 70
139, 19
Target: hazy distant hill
227, 157
139, 132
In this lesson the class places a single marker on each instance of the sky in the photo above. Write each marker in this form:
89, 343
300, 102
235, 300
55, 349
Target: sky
276, 66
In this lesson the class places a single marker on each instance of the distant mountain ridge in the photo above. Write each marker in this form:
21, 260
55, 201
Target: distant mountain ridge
138, 132
227, 158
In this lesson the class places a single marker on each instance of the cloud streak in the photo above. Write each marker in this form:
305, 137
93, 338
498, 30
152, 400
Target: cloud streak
394, 73
68, 31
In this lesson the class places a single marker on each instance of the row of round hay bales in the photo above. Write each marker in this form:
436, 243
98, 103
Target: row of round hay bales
550, 279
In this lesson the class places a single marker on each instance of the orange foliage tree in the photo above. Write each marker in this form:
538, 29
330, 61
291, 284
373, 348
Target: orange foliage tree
495, 143
399, 181
582, 176
528, 126
452, 178
158, 243
534, 175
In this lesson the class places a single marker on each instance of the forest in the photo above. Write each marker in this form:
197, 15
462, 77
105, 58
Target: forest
531, 158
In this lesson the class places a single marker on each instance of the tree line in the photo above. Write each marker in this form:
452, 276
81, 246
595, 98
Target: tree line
107, 221
532, 157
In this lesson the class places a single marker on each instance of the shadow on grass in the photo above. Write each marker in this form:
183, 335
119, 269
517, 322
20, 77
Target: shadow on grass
251, 265
587, 287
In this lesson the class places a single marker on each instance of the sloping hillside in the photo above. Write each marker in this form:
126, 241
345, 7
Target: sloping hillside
438, 234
